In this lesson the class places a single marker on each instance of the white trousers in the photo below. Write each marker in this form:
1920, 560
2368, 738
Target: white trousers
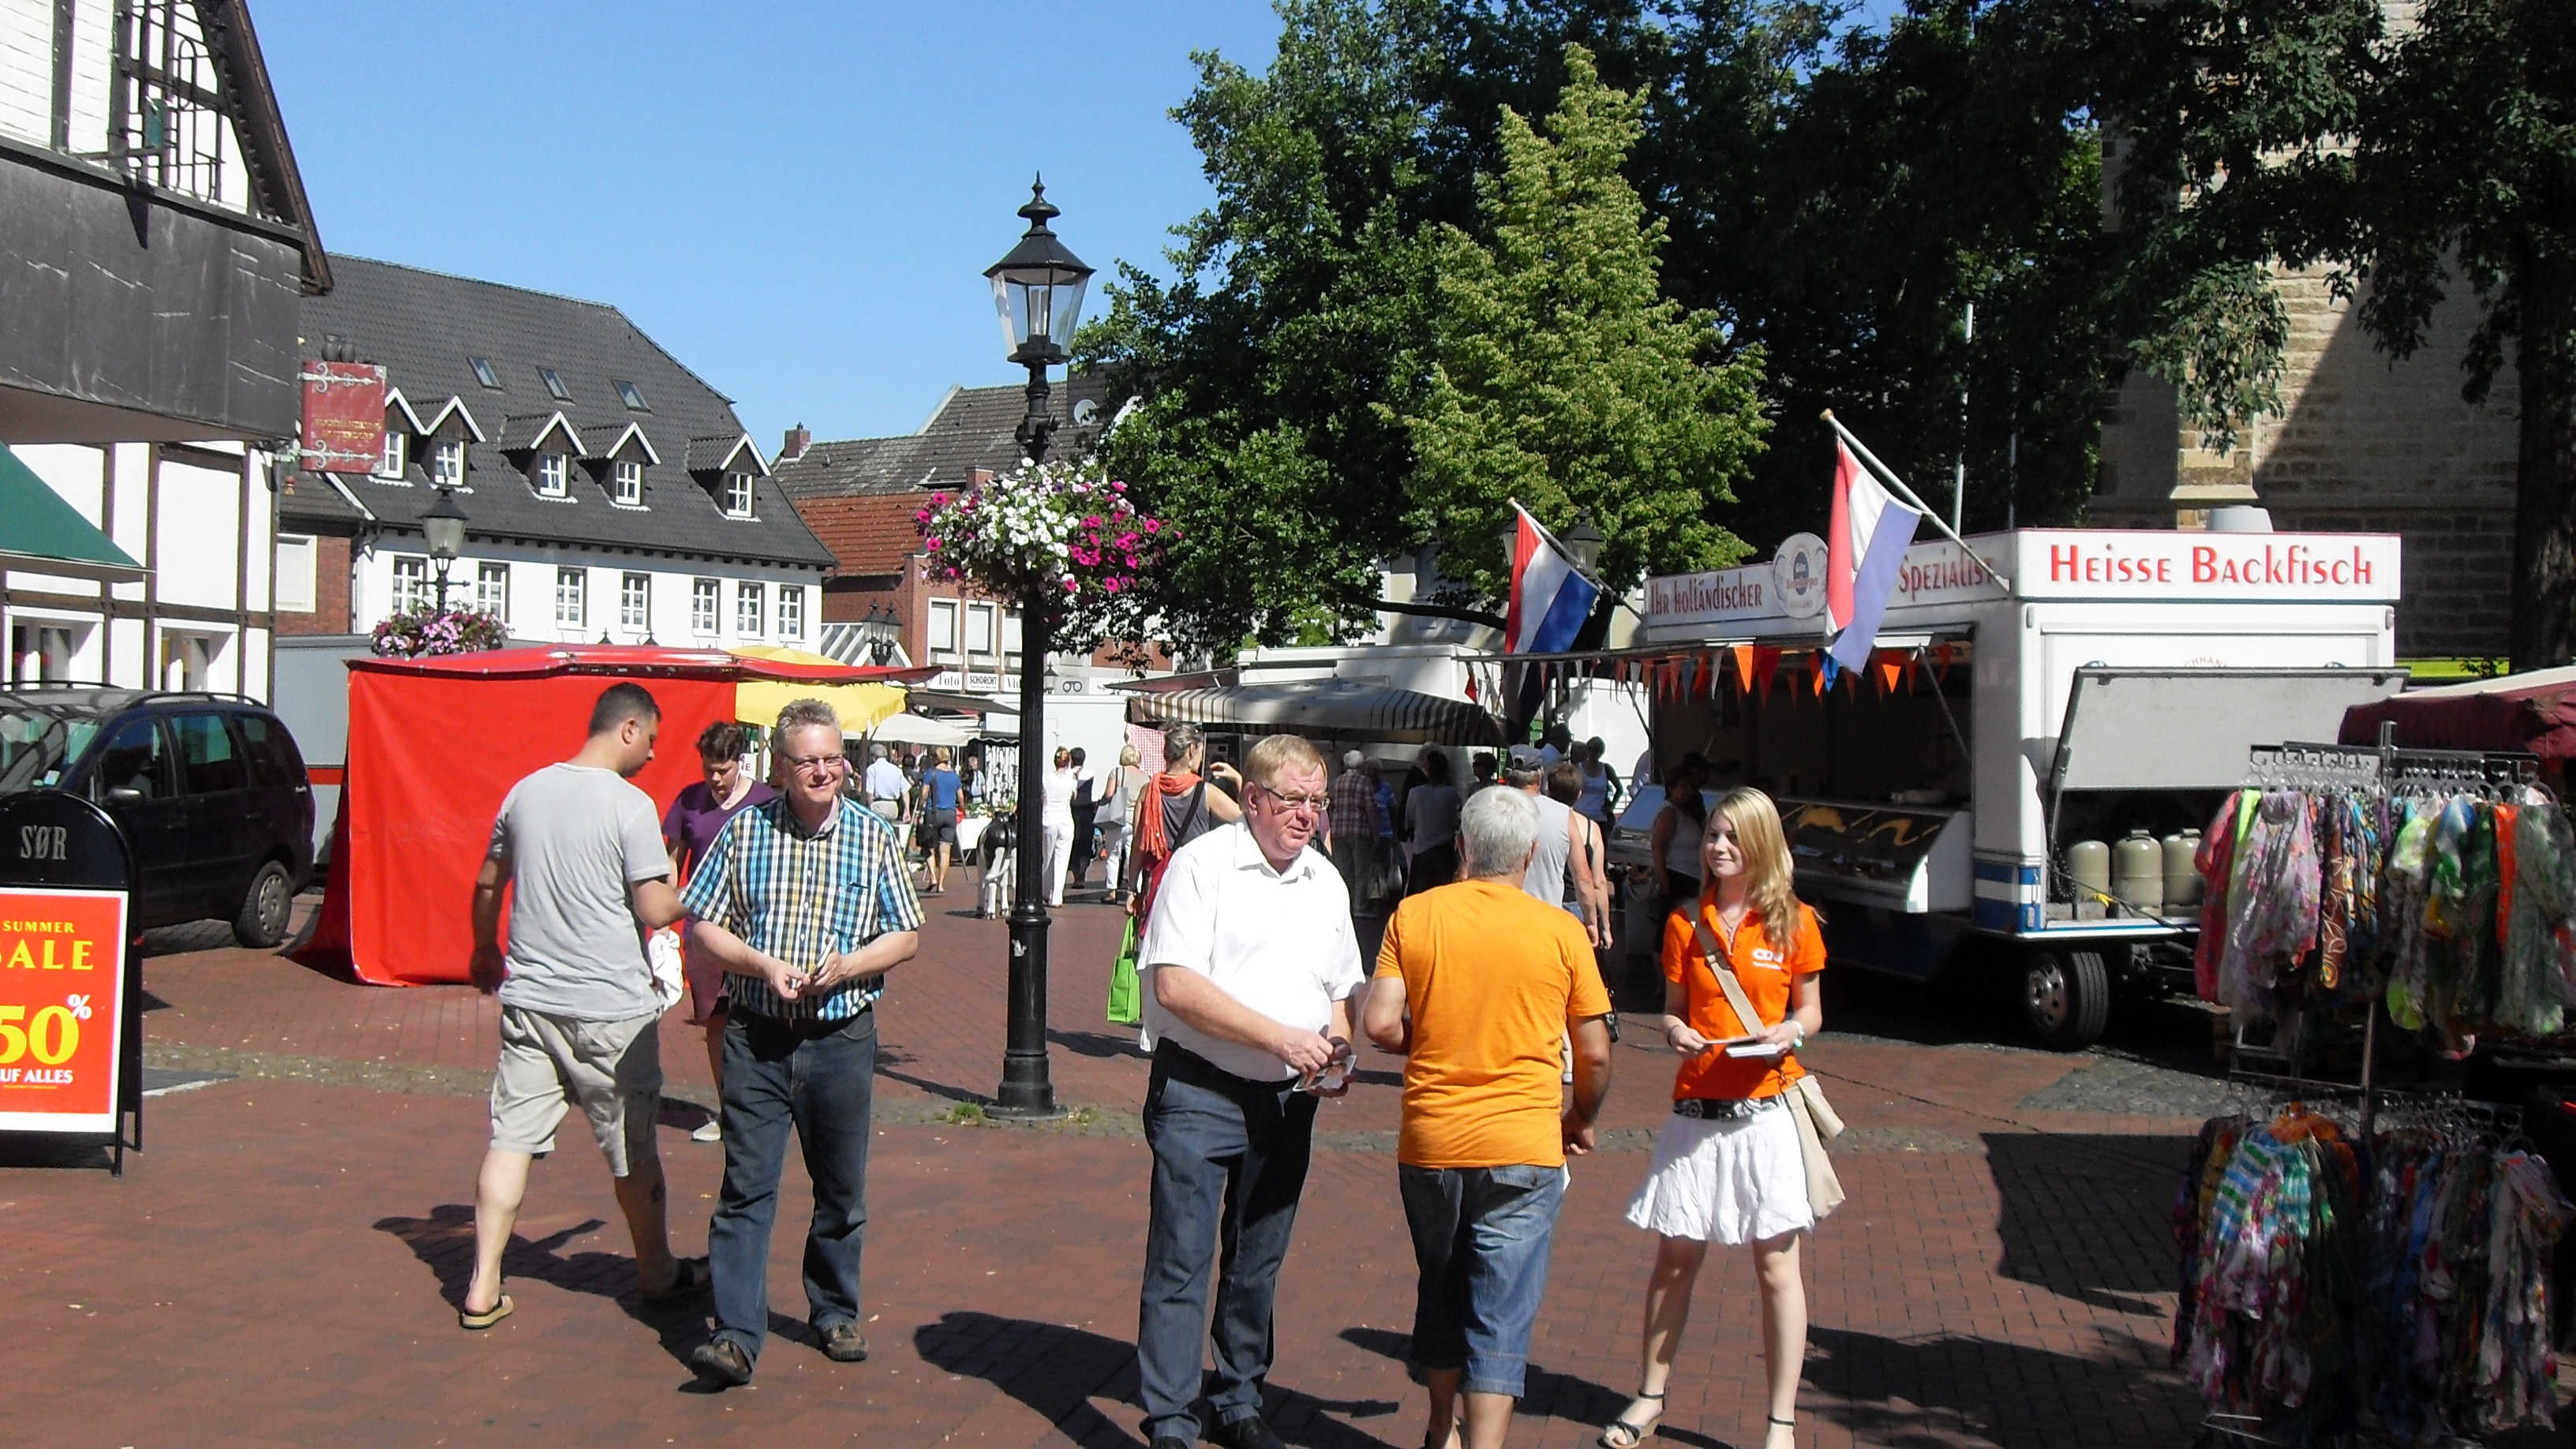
1059, 853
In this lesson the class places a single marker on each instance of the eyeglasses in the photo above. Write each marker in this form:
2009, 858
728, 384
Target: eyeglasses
1294, 803
816, 764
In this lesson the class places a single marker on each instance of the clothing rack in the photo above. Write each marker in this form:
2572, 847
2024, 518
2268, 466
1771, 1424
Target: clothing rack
2387, 771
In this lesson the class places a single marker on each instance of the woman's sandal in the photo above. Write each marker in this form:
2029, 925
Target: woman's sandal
485, 1319
1626, 1433
1779, 1423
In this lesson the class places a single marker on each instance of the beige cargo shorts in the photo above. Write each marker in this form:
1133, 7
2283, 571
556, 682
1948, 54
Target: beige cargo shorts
550, 1064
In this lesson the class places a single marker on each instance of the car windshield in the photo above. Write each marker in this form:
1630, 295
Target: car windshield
37, 746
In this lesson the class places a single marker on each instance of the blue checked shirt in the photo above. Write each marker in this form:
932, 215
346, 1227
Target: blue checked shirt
802, 897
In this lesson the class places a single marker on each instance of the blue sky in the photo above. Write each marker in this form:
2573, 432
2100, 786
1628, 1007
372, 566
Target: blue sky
798, 201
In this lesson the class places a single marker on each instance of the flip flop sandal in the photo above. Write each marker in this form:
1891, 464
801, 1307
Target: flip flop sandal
479, 1321
691, 1279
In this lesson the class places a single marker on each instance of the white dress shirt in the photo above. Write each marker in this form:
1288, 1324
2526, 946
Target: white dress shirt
1279, 942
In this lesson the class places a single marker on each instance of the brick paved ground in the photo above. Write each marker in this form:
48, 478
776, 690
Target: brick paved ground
282, 1264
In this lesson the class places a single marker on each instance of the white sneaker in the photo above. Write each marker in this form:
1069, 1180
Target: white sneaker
708, 1131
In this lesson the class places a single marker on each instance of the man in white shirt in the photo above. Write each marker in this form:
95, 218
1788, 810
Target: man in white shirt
885, 785
1250, 962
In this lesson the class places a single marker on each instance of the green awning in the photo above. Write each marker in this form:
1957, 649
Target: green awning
42, 533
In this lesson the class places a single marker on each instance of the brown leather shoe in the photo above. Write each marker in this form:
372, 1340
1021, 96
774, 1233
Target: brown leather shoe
842, 1343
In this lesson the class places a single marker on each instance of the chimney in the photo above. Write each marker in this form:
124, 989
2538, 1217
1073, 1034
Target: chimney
798, 440
978, 477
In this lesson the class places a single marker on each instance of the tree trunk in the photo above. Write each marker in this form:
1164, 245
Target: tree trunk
2544, 514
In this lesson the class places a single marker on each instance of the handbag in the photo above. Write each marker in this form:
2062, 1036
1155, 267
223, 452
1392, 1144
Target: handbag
1126, 997
1814, 1117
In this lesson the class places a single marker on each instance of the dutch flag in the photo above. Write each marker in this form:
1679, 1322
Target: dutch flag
1550, 600
1871, 532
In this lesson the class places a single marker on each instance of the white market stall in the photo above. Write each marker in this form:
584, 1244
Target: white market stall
1971, 784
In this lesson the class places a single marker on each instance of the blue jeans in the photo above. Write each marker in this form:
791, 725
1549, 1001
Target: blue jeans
1480, 1237
823, 1086
1229, 1163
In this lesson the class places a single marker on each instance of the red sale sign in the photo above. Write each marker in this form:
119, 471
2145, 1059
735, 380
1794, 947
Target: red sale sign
62, 975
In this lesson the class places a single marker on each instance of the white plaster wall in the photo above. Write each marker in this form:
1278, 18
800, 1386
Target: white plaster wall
93, 67
199, 558
27, 71
532, 596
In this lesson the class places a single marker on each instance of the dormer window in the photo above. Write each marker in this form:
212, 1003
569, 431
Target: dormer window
551, 474
554, 384
630, 484
396, 455
631, 395
447, 463
737, 495
483, 372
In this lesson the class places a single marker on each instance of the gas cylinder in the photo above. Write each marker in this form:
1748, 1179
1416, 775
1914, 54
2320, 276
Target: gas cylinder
2138, 871
2088, 864
2182, 881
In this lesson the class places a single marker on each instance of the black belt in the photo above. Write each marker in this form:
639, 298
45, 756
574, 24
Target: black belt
1175, 1060
804, 1028
1722, 1109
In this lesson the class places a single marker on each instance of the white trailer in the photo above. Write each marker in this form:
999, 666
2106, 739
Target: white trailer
2053, 687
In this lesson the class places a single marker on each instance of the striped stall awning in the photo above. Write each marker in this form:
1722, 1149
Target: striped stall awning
1333, 709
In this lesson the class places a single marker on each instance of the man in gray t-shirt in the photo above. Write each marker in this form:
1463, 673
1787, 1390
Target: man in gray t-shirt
580, 851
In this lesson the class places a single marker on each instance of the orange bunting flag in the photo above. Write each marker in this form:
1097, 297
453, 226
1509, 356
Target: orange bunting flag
1891, 668
1744, 667
1818, 680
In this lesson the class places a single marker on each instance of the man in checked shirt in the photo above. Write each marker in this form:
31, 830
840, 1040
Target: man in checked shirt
806, 902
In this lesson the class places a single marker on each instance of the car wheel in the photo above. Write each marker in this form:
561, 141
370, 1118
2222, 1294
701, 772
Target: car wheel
264, 908
2067, 997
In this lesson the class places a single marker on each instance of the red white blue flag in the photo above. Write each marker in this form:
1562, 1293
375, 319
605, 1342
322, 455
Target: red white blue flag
1871, 532
1550, 598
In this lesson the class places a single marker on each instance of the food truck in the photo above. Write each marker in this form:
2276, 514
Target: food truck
2020, 773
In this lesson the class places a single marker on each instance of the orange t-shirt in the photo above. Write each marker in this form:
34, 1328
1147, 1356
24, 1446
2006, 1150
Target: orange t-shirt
1494, 979
1764, 970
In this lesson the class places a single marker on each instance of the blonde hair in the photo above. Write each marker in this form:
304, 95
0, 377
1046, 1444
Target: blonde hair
1769, 879
1263, 762
1129, 756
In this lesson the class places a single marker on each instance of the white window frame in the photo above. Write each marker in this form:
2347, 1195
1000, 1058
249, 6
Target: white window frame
737, 495
411, 582
750, 609
983, 619
397, 453
553, 475
706, 607
297, 580
942, 639
635, 602
629, 477
492, 590
447, 463
572, 601
791, 611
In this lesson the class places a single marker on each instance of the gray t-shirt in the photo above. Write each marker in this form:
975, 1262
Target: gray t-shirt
577, 839
1545, 877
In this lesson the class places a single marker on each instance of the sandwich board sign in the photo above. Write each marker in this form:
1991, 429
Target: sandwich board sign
71, 1019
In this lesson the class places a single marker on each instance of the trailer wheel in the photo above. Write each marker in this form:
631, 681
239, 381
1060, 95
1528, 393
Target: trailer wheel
2067, 997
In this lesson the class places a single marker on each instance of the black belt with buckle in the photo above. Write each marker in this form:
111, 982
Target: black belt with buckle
1722, 1109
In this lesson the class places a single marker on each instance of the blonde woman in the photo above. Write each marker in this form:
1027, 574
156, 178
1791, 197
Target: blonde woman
1727, 1167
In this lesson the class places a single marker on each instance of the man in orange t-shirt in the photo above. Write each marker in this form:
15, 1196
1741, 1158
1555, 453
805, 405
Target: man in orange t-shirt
1479, 986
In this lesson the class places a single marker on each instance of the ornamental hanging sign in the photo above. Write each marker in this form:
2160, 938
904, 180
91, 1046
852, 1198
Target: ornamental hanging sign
344, 417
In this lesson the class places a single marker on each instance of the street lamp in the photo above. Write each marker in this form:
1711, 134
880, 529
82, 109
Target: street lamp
444, 526
1583, 542
1037, 289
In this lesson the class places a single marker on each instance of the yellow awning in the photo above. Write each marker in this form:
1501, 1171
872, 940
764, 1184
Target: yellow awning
861, 706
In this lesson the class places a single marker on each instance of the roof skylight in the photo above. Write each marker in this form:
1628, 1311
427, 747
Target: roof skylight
555, 384
631, 395
483, 372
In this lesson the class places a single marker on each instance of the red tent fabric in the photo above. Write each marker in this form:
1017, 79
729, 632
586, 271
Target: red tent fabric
434, 745
2532, 713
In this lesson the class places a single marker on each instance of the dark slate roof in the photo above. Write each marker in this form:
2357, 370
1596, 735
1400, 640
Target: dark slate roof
424, 325
975, 427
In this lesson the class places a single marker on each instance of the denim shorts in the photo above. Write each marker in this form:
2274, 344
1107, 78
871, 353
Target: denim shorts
1480, 1238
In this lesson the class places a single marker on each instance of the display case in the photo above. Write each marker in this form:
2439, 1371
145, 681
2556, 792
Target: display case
1906, 858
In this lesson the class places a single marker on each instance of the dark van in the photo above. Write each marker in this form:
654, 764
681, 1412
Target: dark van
211, 791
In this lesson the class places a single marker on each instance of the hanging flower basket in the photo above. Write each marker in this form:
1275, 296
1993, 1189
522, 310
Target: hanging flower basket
426, 631
1060, 532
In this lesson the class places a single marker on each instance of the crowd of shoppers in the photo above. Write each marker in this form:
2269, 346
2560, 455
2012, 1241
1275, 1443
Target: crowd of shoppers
797, 901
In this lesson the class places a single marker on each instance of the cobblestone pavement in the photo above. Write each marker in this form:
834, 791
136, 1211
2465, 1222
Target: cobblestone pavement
282, 1264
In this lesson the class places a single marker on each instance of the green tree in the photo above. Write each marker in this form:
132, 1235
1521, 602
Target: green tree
1559, 375
2466, 169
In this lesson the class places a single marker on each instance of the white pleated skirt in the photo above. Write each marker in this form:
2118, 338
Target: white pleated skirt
1728, 1180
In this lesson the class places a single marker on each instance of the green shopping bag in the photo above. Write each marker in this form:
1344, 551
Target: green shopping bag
1125, 1006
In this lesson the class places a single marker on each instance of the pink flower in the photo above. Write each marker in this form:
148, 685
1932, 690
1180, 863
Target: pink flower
934, 543
1069, 586
1111, 584
1153, 526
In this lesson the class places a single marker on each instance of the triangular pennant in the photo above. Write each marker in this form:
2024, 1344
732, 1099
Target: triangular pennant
1743, 667
1826, 668
1941, 656
1766, 666
1891, 668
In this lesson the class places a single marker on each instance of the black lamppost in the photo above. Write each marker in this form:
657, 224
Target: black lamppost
1038, 291
444, 527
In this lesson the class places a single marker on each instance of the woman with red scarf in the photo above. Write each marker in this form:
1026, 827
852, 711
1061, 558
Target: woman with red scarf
1177, 808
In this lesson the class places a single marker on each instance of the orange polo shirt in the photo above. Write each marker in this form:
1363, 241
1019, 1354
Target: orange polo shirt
1494, 980
1764, 969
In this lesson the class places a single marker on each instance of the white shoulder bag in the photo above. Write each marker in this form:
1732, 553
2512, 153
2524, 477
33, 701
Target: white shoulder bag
1815, 1118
